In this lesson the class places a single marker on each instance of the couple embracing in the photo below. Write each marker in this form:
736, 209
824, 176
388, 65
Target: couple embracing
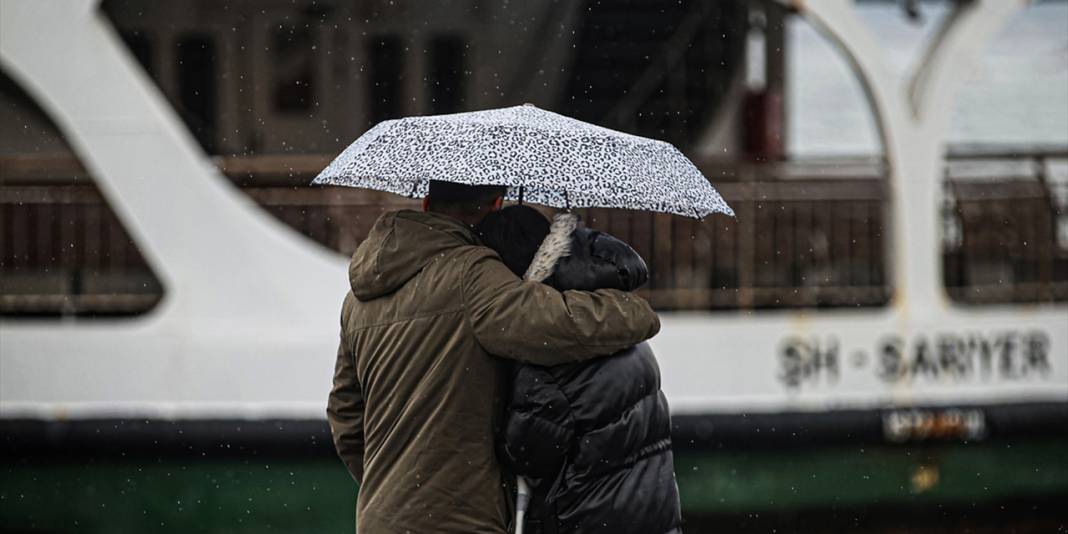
480, 344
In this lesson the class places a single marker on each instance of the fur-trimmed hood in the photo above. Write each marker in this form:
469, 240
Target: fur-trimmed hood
575, 257
555, 246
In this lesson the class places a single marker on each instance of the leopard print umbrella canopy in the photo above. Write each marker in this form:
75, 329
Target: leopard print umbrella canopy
543, 157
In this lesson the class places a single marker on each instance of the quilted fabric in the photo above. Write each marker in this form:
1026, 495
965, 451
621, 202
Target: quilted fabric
542, 157
596, 434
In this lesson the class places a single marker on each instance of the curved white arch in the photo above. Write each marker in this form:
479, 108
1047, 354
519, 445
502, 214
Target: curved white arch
245, 296
913, 120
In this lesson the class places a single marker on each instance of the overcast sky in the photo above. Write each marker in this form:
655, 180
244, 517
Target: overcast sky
1017, 93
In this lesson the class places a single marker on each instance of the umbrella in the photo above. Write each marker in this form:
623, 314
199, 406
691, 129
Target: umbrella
543, 157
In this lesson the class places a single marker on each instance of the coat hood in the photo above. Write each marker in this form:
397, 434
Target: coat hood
573, 256
399, 246
556, 245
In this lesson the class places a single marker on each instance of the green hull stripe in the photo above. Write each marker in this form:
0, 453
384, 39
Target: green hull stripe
317, 495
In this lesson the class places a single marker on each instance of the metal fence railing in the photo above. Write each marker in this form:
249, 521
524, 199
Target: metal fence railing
63, 251
799, 244
1005, 229
797, 241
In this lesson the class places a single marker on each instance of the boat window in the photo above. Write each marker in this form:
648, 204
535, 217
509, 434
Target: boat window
447, 63
293, 52
142, 48
63, 250
1005, 213
385, 66
196, 77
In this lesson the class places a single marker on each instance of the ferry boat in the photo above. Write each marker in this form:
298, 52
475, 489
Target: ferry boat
868, 335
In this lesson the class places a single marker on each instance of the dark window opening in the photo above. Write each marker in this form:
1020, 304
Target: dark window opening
294, 69
447, 62
195, 57
63, 251
999, 233
140, 46
386, 65
659, 70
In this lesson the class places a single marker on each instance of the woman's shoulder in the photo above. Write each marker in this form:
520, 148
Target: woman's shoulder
598, 389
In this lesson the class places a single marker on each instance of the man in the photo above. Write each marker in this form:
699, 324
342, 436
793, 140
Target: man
416, 391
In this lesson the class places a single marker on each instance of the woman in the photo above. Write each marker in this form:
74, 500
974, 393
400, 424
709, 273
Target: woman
593, 437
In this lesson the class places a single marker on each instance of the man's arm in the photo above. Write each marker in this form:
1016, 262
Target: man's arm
344, 410
534, 323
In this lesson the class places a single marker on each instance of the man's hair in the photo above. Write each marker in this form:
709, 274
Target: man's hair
449, 196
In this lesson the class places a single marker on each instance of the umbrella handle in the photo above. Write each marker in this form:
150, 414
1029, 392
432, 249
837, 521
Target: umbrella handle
522, 499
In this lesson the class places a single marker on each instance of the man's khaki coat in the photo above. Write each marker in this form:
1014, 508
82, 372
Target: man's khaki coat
416, 391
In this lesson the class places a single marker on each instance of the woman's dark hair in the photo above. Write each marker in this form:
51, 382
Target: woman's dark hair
515, 233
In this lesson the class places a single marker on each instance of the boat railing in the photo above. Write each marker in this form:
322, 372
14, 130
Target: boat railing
808, 234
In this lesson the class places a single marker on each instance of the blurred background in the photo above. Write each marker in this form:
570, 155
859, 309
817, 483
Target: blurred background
767, 106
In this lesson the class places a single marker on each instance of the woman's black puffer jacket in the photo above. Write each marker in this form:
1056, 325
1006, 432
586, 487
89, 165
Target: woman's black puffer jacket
594, 435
